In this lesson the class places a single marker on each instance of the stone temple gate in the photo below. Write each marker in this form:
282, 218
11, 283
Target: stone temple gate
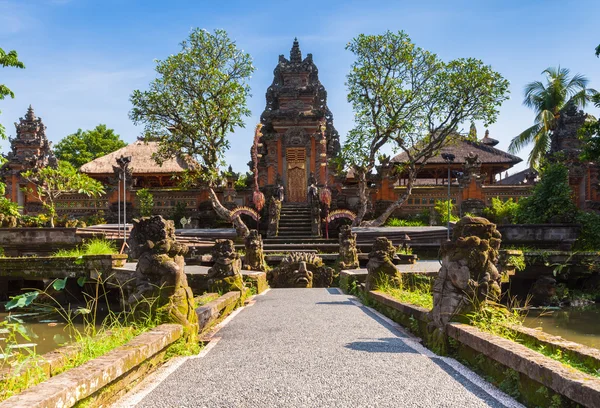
298, 134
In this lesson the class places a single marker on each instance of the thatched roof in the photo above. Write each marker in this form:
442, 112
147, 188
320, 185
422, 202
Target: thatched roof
460, 147
142, 161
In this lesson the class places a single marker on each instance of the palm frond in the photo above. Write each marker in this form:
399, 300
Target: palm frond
540, 148
523, 139
533, 92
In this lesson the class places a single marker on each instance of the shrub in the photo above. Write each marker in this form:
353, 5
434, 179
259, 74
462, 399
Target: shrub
146, 200
551, 201
589, 236
441, 208
501, 212
399, 222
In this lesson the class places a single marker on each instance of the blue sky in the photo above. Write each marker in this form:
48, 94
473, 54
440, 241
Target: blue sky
85, 57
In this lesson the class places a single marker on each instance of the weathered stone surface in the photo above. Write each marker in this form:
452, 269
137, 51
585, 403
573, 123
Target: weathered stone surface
274, 216
417, 312
575, 385
225, 275
66, 389
380, 266
468, 276
561, 236
301, 270
348, 255
543, 291
160, 273
210, 312
254, 260
36, 268
37, 241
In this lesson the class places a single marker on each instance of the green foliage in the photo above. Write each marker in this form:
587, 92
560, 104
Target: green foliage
96, 218
9, 59
179, 212
406, 97
82, 147
518, 261
589, 134
198, 97
399, 222
95, 246
244, 181
598, 51
501, 212
418, 294
551, 200
547, 100
441, 208
146, 200
52, 182
496, 318
589, 235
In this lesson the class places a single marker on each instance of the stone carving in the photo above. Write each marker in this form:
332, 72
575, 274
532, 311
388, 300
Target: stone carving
468, 275
380, 265
543, 291
225, 275
160, 273
274, 215
254, 259
301, 270
348, 255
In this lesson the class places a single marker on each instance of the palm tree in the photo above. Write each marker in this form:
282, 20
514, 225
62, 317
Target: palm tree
547, 100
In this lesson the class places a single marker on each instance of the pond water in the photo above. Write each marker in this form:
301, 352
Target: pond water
581, 324
44, 333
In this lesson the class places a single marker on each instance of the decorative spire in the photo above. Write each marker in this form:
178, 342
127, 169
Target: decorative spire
487, 140
295, 53
30, 115
473, 132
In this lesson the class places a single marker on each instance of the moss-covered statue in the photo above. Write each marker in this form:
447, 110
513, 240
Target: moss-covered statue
348, 257
468, 275
254, 260
380, 266
159, 273
301, 270
225, 275
274, 215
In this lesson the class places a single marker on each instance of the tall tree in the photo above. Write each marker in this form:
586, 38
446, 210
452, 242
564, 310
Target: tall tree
82, 147
197, 99
10, 59
406, 97
547, 100
52, 182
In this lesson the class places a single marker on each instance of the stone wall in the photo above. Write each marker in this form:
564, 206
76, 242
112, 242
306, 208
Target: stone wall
561, 236
37, 241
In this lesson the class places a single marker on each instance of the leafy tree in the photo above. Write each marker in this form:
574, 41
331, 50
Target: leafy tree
197, 99
10, 59
547, 100
52, 182
551, 200
146, 200
408, 98
501, 212
82, 147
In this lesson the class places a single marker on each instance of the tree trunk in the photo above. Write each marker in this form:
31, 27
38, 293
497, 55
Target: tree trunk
240, 228
363, 198
379, 221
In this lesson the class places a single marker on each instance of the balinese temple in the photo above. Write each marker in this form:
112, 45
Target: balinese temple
29, 149
298, 140
298, 132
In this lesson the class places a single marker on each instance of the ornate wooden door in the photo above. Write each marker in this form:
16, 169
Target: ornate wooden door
296, 174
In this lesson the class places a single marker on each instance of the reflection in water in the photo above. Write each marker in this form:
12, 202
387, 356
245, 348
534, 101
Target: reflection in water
581, 324
47, 333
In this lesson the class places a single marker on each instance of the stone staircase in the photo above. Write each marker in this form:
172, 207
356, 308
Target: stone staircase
295, 232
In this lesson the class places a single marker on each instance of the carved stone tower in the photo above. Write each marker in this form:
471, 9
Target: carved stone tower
298, 134
29, 149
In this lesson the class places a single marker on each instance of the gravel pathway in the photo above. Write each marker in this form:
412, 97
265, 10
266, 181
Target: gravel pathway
318, 348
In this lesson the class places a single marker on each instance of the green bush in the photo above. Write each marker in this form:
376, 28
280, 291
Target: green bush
551, 201
589, 236
441, 208
146, 200
501, 212
399, 222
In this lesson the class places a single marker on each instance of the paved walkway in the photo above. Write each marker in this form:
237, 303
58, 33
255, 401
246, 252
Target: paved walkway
318, 348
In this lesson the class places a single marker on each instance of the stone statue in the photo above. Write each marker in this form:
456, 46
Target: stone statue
301, 270
159, 273
274, 215
255, 258
380, 266
468, 275
348, 256
225, 275
279, 192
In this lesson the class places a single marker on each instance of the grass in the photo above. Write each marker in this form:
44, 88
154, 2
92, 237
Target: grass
398, 222
95, 246
418, 294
